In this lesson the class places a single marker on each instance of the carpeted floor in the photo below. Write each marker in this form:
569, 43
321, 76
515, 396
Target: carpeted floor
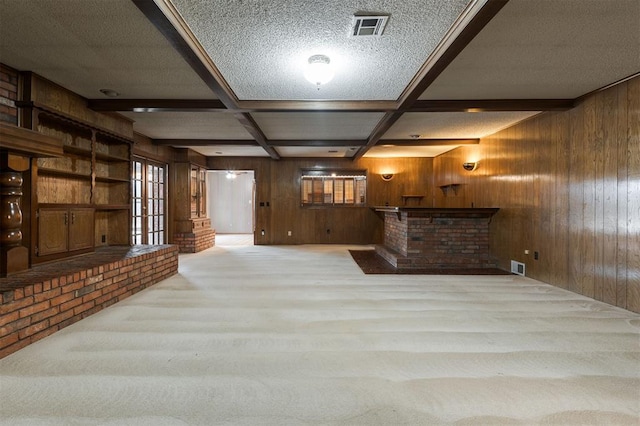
372, 263
298, 335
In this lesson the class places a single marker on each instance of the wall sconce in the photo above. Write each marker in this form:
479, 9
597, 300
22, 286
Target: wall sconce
386, 176
469, 166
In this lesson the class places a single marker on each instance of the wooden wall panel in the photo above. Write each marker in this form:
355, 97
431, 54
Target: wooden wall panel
568, 186
633, 197
278, 184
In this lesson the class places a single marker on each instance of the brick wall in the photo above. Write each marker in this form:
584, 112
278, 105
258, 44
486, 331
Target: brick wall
436, 242
193, 242
8, 95
201, 238
34, 311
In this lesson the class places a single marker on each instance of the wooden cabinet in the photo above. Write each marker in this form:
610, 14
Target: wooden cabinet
62, 230
198, 191
82, 199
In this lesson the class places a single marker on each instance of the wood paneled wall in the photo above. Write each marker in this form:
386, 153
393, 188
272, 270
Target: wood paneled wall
568, 186
278, 184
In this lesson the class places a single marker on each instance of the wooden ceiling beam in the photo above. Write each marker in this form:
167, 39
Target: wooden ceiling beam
427, 142
157, 105
433, 67
167, 20
302, 142
252, 127
439, 105
491, 105
205, 142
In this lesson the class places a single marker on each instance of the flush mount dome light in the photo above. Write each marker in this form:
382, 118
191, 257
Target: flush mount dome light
319, 70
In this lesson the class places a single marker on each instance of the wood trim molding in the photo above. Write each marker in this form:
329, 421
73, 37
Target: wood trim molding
27, 142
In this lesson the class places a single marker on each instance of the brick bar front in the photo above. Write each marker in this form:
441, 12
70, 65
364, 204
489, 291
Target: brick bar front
422, 238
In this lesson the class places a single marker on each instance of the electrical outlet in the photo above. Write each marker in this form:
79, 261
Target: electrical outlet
288, 233
104, 238
526, 252
262, 232
536, 255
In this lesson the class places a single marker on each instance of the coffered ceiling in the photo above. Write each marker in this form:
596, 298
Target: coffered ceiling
226, 77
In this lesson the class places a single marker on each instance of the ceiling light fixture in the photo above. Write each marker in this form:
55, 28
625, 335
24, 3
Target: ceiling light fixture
110, 93
319, 70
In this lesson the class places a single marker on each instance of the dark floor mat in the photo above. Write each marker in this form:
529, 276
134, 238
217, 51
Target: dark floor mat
372, 263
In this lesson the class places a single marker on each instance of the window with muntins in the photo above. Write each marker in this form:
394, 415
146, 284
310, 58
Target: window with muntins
333, 188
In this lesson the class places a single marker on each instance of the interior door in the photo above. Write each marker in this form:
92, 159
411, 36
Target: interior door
149, 191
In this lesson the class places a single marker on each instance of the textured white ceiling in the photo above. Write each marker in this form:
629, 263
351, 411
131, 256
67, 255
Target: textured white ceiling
88, 45
457, 125
313, 151
317, 125
188, 125
229, 151
262, 46
546, 49
531, 49
388, 151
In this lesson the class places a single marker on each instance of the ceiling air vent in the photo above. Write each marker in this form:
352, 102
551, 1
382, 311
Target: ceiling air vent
369, 25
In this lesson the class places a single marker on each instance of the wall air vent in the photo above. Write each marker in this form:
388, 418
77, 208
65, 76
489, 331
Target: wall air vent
517, 268
370, 25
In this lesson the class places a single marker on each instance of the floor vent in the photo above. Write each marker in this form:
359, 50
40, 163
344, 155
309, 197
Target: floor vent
369, 25
517, 268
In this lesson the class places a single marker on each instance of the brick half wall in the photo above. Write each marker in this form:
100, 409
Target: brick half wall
47, 304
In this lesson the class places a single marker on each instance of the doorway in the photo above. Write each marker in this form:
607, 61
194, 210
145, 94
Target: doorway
148, 190
231, 196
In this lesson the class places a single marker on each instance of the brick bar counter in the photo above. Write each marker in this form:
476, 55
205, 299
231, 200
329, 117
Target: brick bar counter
48, 297
419, 238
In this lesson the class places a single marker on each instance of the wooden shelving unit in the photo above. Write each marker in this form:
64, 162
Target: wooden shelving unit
83, 199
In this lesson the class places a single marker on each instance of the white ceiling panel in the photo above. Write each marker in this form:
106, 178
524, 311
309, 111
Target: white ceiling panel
316, 151
546, 49
317, 125
261, 47
453, 125
188, 125
88, 45
229, 151
390, 151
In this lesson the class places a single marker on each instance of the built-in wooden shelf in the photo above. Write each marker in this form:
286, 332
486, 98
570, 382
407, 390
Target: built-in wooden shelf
110, 179
109, 158
104, 207
446, 189
77, 151
63, 173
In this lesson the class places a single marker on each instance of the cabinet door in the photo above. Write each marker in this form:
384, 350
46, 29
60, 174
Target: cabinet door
53, 231
81, 228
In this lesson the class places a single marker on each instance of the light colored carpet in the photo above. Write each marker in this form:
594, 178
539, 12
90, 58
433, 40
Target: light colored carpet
298, 335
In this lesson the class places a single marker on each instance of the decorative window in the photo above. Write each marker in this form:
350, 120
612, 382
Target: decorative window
333, 188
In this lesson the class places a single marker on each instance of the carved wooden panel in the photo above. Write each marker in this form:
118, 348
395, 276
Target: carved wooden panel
53, 231
80, 228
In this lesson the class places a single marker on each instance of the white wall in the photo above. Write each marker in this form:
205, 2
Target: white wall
231, 202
